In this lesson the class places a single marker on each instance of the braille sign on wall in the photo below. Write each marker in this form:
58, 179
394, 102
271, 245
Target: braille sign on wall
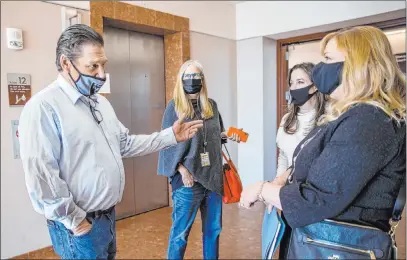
19, 88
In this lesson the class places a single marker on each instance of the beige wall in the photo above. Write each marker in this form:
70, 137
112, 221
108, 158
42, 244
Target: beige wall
218, 57
398, 42
22, 229
217, 18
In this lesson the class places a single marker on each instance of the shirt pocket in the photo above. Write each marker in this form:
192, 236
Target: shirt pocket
112, 129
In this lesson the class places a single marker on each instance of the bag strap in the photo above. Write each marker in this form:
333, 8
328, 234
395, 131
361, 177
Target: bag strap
224, 155
397, 211
400, 203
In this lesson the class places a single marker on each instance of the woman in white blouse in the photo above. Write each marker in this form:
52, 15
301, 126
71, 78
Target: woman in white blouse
306, 105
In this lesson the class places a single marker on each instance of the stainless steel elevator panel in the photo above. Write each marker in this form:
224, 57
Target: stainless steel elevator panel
117, 51
136, 67
148, 105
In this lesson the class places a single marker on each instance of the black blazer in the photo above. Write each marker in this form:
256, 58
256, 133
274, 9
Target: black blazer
348, 170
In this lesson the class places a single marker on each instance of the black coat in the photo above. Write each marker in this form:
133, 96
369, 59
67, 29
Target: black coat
348, 170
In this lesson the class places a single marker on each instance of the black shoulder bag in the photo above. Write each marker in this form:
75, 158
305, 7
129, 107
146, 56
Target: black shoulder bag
331, 239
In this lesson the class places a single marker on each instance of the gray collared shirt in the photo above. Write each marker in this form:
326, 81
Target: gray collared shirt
73, 165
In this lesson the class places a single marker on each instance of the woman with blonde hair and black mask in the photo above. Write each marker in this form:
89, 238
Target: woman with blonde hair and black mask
306, 106
195, 167
338, 197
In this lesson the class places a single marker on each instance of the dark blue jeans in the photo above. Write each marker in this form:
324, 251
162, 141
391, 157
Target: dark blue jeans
186, 203
98, 243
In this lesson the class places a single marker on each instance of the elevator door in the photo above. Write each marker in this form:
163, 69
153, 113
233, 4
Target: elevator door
136, 68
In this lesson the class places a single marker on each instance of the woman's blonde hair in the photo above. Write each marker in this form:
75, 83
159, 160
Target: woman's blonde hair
370, 74
183, 105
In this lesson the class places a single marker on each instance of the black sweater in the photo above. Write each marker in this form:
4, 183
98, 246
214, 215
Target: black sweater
348, 170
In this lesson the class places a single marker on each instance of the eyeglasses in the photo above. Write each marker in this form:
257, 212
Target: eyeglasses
193, 76
95, 113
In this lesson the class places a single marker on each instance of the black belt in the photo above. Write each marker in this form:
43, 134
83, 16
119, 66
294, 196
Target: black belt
98, 213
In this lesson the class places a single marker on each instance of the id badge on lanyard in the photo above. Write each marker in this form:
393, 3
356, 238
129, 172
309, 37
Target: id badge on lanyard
205, 157
205, 161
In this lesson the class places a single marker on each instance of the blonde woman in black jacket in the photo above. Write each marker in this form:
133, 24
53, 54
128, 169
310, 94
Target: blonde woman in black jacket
350, 168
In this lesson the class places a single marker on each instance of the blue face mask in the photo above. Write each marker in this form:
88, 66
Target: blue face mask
327, 76
87, 85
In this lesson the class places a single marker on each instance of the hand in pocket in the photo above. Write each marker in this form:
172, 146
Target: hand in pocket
188, 180
84, 228
187, 177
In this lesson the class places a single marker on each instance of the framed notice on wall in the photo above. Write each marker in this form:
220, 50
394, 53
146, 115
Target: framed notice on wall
19, 88
16, 142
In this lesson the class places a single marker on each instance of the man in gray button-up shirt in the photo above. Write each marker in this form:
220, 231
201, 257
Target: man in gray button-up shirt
72, 145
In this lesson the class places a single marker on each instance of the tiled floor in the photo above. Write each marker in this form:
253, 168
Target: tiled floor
145, 236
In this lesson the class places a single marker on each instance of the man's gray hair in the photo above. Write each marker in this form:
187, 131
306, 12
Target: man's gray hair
72, 40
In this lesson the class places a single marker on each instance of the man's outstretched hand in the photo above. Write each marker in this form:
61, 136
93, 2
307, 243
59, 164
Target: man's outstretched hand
185, 131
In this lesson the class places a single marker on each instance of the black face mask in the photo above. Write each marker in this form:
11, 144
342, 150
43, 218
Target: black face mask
327, 76
301, 96
192, 86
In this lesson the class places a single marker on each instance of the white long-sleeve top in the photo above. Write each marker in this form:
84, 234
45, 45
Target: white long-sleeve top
288, 142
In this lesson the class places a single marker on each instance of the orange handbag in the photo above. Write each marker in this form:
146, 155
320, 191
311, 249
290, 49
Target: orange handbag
232, 184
